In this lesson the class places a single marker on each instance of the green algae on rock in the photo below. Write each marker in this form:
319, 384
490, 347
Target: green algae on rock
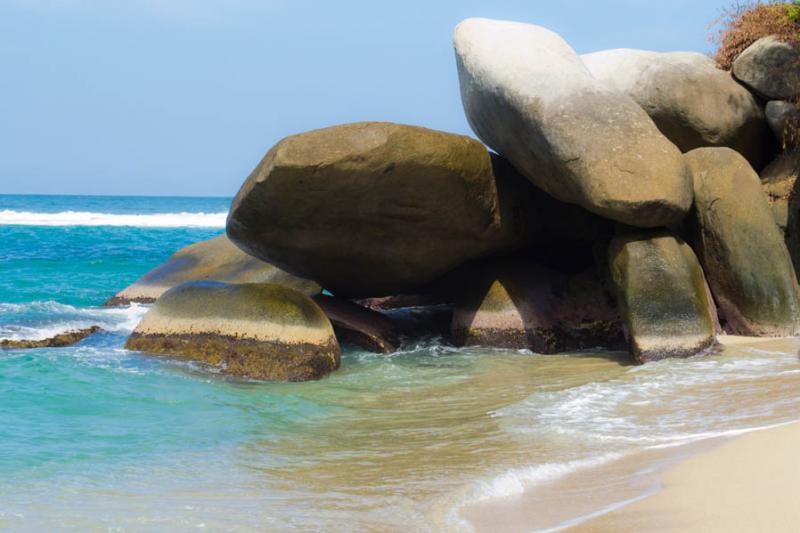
68, 338
741, 248
251, 330
662, 295
215, 259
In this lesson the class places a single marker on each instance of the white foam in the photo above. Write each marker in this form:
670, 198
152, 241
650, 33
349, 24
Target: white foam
87, 218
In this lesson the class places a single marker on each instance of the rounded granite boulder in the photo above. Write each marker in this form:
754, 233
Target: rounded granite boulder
370, 209
741, 247
663, 298
215, 259
528, 95
251, 330
692, 102
770, 68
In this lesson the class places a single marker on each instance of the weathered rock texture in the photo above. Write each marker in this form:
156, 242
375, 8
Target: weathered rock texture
779, 181
527, 94
518, 305
771, 68
368, 329
252, 330
740, 246
67, 338
784, 120
692, 102
215, 259
663, 298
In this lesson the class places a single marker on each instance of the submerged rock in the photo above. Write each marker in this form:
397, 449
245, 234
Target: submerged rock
67, 338
519, 305
692, 102
771, 68
215, 259
252, 330
527, 94
368, 329
741, 248
662, 294
779, 181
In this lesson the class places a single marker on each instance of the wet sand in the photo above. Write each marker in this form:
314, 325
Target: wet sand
747, 484
729, 483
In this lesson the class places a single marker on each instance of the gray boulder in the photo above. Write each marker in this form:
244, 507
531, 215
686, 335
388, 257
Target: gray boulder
663, 298
215, 259
740, 246
692, 102
779, 181
770, 68
527, 95
353, 323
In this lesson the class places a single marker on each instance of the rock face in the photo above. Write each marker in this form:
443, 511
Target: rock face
518, 305
784, 120
252, 330
692, 102
215, 259
662, 295
779, 181
741, 247
527, 94
371, 330
771, 68
68, 338
370, 209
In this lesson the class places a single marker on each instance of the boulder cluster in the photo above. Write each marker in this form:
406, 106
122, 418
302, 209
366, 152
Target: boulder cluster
620, 207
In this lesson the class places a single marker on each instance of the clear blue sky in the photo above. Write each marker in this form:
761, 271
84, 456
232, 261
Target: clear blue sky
184, 97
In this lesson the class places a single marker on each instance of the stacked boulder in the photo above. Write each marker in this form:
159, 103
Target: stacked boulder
619, 209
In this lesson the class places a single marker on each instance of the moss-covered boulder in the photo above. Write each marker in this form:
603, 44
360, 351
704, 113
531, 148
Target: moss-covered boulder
779, 181
215, 259
741, 248
68, 338
517, 304
527, 94
355, 324
251, 330
662, 294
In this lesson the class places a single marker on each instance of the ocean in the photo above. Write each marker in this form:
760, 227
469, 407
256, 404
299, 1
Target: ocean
94, 437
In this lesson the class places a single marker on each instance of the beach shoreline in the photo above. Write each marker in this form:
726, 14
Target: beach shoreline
664, 488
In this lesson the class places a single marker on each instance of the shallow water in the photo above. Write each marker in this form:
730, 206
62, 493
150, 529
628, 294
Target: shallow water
94, 437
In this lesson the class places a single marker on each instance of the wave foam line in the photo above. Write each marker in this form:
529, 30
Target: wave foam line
87, 218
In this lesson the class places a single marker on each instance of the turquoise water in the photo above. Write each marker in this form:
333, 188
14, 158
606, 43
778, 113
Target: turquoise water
94, 437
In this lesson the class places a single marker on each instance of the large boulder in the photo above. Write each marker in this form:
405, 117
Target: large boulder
662, 294
375, 209
741, 247
771, 68
355, 324
779, 181
528, 95
251, 330
691, 101
215, 259
784, 120
516, 304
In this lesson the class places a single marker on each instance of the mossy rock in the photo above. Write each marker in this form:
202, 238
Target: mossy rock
662, 294
252, 330
741, 248
68, 338
215, 259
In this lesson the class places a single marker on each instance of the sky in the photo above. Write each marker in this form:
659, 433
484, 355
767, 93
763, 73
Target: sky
184, 97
